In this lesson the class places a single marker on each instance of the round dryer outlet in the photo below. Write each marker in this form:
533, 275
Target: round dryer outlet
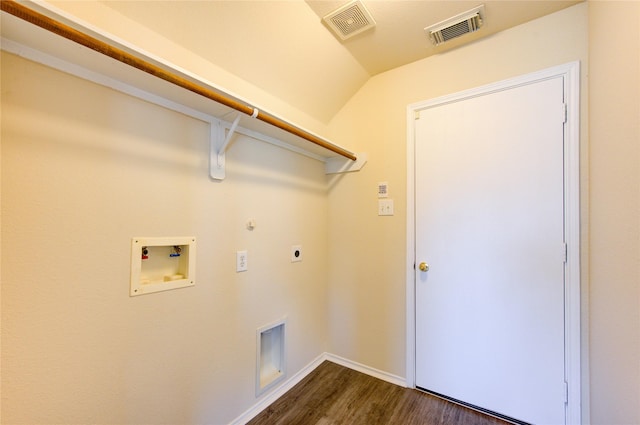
296, 253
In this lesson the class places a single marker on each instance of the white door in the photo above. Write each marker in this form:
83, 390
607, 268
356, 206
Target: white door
489, 224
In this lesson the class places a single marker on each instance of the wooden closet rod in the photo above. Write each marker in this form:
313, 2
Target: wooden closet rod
20, 11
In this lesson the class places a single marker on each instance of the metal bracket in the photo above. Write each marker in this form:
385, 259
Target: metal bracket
216, 156
218, 146
338, 164
232, 130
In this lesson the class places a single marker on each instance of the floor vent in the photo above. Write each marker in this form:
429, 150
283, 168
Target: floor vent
349, 20
456, 26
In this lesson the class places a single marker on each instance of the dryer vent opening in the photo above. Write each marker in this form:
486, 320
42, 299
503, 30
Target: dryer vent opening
271, 359
456, 26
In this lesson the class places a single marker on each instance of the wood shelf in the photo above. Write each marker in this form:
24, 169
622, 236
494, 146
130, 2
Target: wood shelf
46, 37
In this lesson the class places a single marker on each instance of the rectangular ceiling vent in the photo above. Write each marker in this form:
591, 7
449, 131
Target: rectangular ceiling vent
349, 20
456, 26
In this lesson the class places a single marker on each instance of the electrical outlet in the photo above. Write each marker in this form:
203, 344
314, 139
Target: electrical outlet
242, 261
296, 253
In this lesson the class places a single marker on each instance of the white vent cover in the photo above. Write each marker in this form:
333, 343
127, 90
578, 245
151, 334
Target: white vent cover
464, 23
349, 20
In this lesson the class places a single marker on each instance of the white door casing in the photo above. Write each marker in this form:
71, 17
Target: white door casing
568, 311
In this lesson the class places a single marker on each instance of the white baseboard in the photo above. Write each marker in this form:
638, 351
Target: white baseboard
279, 391
394, 379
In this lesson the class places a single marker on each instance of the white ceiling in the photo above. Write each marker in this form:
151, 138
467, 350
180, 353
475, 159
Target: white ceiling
284, 48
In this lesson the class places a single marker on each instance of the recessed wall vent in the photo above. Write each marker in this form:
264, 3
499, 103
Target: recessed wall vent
456, 26
349, 20
271, 356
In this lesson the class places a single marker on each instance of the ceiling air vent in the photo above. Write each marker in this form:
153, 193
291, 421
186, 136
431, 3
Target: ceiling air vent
464, 23
349, 20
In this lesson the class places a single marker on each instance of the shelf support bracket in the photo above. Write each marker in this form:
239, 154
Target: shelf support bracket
218, 144
340, 165
232, 130
216, 154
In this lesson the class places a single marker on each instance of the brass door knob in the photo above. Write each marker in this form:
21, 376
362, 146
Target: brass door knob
424, 267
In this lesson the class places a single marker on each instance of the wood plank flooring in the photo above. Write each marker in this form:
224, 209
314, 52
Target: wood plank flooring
336, 395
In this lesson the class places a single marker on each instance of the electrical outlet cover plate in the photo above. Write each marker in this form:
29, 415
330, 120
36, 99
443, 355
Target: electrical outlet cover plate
242, 259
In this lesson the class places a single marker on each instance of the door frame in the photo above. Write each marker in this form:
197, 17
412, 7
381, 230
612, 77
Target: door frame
570, 73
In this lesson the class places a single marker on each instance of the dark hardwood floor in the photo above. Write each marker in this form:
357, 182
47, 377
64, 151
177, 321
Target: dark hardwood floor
333, 395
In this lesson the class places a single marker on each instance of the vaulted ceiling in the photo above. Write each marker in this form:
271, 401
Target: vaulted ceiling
285, 48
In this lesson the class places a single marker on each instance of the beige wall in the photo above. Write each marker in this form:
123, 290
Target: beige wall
614, 131
85, 169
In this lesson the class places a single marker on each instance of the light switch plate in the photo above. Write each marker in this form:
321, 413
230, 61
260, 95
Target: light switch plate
385, 207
